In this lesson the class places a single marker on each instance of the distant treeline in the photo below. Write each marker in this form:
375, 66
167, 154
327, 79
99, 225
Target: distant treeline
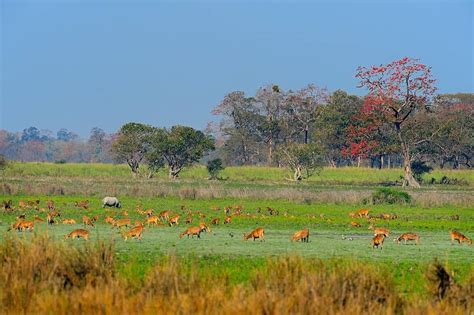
251, 130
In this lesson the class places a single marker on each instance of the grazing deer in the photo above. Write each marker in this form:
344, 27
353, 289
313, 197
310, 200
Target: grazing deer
189, 220
174, 220
195, 230
149, 212
362, 213
78, 234
109, 219
408, 237
302, 236
455, 235
379, 230
152, 220
50, 205
26, 225
22, 204
355, 224
257, 233
87, 221
227, 219
69, 221
121, 222
84, 204
215, 221
164, 215
14, 226
135, 232
378, 241
95, 218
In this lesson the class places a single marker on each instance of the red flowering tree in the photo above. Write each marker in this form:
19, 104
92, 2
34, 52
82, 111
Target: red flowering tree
396, 91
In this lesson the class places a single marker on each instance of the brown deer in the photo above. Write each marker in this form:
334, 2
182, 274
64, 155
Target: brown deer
362, 213
302, 236
26, 225
379, 230
408, 237
121, 222
135, 232
84, 204
69, 221
109, 219
164, 215
195, 230
149, 212
189, 220
50, 204
378, 241
38, 219
352, 215
257, 233
456, 236
227, 219
78, 234
215, 221
355, 224
87, 221
152, 220
174, 220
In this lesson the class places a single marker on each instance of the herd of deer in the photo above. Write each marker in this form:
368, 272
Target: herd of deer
165, 217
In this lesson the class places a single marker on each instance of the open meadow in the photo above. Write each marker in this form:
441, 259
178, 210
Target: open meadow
255, 197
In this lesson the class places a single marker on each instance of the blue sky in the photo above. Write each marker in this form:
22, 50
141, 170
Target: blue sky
81, 64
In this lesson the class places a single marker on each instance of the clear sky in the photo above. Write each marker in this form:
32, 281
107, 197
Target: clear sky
79, 64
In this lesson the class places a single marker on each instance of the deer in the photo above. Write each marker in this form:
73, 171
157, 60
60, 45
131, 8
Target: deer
164, 215
135, 232
408, 237
355, 224
152, 220
189, 220
69, 221
78, 234
109, 219
195, 230
149, 212
302, 236
227, 219
378, 240
379, 230
50, 204
138, 223
87, 221
457, 236
362, 213
352, 215
121, 222
257, 233
38, 219
215, 221
26, 225
84, 204
174, 220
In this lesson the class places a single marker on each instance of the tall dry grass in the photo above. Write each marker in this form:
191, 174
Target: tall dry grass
45, 277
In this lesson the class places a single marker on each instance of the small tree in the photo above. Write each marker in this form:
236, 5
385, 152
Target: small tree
214, 167
182, 146
304, 160
419, 168
132, 144
3, 162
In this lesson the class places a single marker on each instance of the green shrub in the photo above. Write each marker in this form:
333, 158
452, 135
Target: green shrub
390, 196
214, 167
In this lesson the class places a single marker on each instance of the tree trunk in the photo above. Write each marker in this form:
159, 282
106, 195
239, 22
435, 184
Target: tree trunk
306, 135
381, 162
174, 172
389, 162
270, 152
358, 161
298, 173
134, 165
408, 179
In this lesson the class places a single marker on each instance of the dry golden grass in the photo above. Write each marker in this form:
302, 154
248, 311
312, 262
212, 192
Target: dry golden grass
44, 277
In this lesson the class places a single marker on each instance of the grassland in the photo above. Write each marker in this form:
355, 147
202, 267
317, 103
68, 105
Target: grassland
321, 204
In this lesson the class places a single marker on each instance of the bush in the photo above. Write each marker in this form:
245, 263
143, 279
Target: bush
390, 196
3, 162
214, 167
419, 168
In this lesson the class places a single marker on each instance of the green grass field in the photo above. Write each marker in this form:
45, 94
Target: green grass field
322, 204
